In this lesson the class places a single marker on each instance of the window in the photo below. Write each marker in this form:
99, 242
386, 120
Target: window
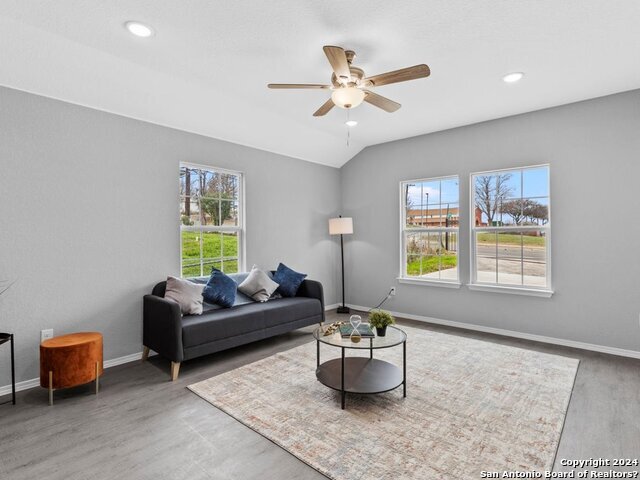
430, 219
510, 238
211, 223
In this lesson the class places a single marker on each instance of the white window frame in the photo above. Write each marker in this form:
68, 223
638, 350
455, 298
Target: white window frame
239, 228
545, 291
403, 277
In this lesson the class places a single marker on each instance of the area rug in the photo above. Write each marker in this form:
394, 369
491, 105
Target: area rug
471, 406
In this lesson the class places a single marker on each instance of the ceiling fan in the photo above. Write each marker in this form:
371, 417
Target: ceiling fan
350, 86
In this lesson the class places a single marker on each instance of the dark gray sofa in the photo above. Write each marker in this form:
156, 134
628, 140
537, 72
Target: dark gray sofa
178, 338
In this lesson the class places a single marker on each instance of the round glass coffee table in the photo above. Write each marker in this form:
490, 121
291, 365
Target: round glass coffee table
362, 375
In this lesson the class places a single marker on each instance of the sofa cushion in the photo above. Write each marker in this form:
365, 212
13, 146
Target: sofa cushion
220, 289
223, 323
286, 310
288, 280
186, 294
258, 285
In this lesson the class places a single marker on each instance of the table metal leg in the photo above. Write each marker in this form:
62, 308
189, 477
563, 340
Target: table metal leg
371, 348
342, 379
404, 369
13, 374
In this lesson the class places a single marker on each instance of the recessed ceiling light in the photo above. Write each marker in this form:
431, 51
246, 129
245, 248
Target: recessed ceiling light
139, 29
351, 123
513, 77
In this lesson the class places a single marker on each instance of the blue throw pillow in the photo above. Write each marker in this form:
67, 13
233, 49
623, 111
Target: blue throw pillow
289, 280
220, 289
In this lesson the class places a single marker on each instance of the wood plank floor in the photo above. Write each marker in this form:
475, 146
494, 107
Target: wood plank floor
142, 426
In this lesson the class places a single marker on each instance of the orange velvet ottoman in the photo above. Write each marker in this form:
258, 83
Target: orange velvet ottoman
70, 360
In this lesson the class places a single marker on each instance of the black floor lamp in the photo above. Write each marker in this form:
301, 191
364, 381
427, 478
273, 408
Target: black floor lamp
341, 226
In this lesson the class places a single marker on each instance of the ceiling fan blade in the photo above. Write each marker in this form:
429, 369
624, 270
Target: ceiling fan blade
324, 109
297, 85
402, 75
381, 102
338, 60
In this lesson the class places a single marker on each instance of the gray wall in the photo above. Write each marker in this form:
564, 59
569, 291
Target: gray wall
89, 219
593, 150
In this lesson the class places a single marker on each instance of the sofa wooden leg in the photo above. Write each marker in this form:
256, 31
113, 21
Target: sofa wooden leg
145, 353
175, 369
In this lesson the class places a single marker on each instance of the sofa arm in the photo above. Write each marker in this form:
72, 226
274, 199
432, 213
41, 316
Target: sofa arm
312, 289
162, 327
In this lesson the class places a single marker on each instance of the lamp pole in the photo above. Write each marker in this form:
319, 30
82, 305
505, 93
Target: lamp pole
343, 308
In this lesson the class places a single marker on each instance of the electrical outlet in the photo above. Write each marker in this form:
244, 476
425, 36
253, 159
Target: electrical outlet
44, 334
393, 291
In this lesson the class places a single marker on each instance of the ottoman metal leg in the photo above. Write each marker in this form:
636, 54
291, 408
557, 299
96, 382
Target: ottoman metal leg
50, 388
97, 378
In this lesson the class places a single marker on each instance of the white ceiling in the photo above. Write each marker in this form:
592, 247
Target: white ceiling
207, 67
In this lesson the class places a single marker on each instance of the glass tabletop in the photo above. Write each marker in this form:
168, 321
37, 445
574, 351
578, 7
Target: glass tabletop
394, 337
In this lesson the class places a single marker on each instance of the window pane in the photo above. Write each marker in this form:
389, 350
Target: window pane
209, 183
228, 186
510, 258
210, 211
428, 257
413, 265
190, 254
189, 184
229, 245
211, 245
491, 192
513, 212
534, 265
189, 212
449, 256
191, 268
230, 266
535, 182
431, 203
535, 211
486, 257
209, 263
229, 210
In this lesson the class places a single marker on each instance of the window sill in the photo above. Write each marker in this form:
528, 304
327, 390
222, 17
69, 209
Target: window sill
532, 292
429, 283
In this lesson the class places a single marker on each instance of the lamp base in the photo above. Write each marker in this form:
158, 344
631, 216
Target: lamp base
343, 309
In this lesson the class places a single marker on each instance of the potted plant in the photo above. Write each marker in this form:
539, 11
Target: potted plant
381, 320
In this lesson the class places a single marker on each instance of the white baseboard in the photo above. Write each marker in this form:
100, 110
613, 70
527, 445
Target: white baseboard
35, 382
510, 333
26, 385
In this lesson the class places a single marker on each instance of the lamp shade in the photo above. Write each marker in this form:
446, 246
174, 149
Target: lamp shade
341, 226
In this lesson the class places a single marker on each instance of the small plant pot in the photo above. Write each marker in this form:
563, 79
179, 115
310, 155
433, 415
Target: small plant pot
381, 331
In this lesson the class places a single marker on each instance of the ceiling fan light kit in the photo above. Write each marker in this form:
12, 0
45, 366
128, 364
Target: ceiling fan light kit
350, 86
347, 97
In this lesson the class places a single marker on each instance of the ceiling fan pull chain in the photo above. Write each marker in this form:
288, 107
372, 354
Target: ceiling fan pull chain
348, 129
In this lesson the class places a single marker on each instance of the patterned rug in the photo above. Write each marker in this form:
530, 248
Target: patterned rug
470, 406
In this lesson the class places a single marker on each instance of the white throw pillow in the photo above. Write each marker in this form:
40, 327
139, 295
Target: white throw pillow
258, 285
186, 294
